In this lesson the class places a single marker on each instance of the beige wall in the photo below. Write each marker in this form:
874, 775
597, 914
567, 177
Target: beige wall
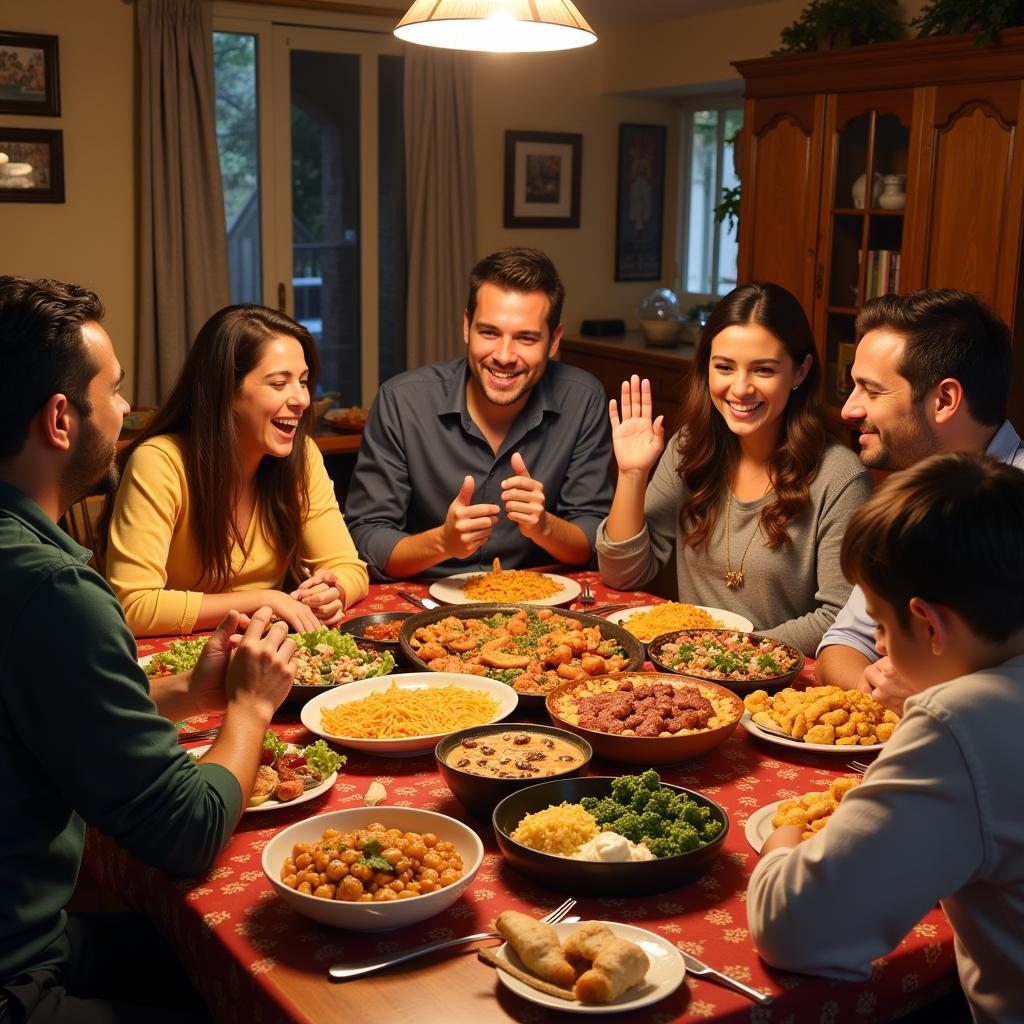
563, 93
90, 238
699, 49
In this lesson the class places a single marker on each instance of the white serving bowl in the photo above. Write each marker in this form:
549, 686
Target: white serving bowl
373, 917
502, 693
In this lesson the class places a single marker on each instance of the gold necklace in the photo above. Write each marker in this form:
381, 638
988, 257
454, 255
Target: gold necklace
734, 577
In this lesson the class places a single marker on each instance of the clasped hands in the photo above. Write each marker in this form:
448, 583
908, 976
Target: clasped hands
467, 527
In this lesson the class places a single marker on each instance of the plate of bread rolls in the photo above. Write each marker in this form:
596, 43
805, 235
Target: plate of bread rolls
585, 967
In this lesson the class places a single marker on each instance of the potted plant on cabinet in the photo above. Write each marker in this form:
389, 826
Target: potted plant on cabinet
831, 24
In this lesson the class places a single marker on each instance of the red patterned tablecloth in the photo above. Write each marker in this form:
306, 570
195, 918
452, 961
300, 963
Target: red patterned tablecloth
233, 934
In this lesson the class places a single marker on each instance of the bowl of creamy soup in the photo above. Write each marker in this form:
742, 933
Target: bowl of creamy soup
484, 764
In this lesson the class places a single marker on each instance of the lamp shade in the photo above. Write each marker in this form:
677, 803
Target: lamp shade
496, 26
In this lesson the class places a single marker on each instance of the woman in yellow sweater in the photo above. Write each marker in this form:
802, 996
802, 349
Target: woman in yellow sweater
224, 497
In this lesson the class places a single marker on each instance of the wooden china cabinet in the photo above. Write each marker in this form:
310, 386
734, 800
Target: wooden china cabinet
886, 168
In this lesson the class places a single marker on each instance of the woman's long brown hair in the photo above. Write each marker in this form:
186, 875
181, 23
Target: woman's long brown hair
200, 410
708, 451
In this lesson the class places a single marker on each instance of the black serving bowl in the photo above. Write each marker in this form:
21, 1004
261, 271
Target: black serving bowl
590, 878
299, 694
356, 626
481, 793
740, 686
532, 703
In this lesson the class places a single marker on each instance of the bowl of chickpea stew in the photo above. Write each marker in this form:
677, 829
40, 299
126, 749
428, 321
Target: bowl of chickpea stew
331, 867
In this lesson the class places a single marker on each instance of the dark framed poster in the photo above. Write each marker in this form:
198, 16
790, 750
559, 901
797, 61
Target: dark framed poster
542, 179
641, 202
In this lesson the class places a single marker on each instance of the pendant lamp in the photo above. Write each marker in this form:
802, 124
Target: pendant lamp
496, 26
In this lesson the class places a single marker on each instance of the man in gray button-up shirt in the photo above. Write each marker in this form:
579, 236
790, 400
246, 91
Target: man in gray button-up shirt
932, 373
501, 453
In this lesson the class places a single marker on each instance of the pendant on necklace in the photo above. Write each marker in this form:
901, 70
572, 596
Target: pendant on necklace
734, 579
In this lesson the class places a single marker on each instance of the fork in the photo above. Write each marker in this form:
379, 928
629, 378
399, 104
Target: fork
587, 597
199, 734
342, 972
858, 766
699, 969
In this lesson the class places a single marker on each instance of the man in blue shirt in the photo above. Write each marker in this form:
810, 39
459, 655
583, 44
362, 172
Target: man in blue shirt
85, 737
501, 453
931, 374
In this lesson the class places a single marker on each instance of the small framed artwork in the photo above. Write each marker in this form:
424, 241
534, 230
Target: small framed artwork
542, 179
29, 77
846, 351
641, 197
31, 165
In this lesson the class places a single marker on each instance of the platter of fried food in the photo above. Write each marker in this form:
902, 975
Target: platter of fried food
822, 718
406, 714
810, 812
350, 420
650, 620
588, 967
532, 650
505, 586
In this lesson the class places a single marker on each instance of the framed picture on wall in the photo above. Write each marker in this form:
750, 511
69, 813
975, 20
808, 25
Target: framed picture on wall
31, 165
29, 79
641, 199
542, 179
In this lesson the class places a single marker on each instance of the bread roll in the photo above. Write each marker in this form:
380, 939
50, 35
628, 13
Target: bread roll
537, 945
618, 966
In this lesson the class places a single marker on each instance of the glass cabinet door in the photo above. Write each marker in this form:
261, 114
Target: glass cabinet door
864, 196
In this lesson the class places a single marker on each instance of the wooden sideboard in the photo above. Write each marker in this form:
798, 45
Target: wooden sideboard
614, 358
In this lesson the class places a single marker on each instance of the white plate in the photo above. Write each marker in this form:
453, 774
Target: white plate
847, 750
664, 976
759, 825
449, 590
273, 803
728, 619
145, 660
506, 698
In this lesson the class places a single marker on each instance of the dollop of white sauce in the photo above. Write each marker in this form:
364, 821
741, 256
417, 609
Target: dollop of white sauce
612, 848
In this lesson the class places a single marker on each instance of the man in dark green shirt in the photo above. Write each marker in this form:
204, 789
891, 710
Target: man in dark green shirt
85, 737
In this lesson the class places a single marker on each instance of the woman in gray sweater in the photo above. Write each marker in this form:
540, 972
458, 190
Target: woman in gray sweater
754, 491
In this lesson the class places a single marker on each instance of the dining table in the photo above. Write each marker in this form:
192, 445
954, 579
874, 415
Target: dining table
254, 959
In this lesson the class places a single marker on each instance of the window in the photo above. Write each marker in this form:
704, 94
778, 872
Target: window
707, 257
311, 144
238, 138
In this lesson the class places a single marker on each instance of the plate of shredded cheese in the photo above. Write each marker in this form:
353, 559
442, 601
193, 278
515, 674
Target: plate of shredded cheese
651, 620
505, 586
406, 714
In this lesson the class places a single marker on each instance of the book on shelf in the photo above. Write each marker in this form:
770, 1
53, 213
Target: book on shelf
882, 273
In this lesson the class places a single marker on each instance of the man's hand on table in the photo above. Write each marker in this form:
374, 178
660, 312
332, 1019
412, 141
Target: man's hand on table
881, 681
467, 527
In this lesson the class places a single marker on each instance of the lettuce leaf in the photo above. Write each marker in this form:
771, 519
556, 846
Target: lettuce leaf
320, 756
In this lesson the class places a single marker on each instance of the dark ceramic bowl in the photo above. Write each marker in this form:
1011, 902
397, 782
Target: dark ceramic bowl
357, 625
650, 750
579, 877
740, 686
480, 793
299, 694
528, 702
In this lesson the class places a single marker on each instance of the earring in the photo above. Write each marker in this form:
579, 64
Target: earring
795, 386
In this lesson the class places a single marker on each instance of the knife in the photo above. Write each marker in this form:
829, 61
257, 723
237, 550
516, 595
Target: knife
420, 602
701, 970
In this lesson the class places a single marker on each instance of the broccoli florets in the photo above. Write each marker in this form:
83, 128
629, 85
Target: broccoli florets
641, 809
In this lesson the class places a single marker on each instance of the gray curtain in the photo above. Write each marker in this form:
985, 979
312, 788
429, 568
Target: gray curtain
183, 258
440, 199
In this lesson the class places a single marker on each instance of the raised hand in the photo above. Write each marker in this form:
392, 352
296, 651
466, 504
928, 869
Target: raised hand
636, 440
466, 527
524, 498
